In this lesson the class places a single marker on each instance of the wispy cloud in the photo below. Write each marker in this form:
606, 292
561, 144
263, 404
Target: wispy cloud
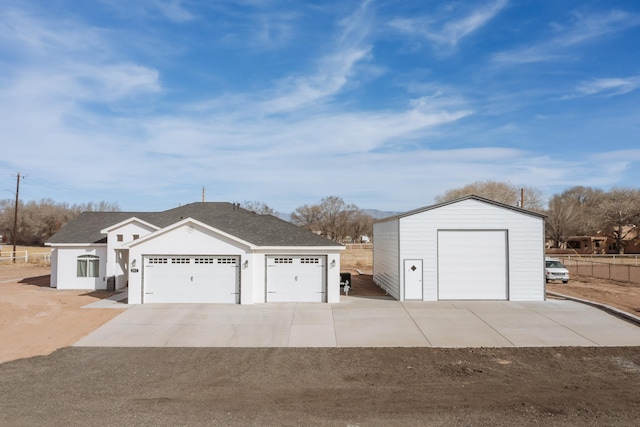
581, 28
174, 10
333, 71
449, 32
606, 87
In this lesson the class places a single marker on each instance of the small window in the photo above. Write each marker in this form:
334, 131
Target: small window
119, 237
136, 236
283, 260
226, 260
88, 266
181, 261
157, 260
309, 260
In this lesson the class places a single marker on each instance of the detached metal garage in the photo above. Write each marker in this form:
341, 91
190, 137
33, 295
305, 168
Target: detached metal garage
467, 249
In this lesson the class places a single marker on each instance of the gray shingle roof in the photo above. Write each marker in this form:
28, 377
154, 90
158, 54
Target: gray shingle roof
260, 230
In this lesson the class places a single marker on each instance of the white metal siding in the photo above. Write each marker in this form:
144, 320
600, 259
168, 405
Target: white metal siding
419, 233
472, 265
386, 261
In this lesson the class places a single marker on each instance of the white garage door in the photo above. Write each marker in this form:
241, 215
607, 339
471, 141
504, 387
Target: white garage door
191, 279
472, 265
296, 278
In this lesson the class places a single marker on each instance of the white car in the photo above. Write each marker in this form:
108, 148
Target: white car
554, 270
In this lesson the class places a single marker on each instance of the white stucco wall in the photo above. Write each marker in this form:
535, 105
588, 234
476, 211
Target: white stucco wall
64, 276
54, 268
118, 260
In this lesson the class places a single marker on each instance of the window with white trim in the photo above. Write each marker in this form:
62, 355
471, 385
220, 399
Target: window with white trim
88, 266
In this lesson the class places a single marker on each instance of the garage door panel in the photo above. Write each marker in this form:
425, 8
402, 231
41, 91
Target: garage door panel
296, 279
191, 279
472, 265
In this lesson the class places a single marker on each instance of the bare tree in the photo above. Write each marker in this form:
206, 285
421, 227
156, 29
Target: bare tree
333, 218
498, 191
258, 207
37, 221
307, 217
562, 218
586, 200
534, 199
618, 214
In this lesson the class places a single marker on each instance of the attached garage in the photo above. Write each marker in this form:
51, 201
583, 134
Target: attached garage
467, 249
191, 279
296, 278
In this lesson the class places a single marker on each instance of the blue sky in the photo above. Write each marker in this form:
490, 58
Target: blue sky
384, 103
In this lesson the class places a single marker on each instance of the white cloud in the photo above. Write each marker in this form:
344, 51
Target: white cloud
583, 28
450, 32
606, 87
174, 10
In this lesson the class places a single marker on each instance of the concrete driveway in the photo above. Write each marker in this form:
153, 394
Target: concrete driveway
365, 322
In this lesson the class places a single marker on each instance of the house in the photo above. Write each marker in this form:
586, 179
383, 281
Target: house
197, 253
471, 248
591, 245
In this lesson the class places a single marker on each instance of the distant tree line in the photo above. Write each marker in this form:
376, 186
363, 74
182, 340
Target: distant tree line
37, 221
577, 211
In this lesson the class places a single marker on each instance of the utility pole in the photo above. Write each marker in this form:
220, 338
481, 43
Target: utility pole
15, 219
202, 194
522, 198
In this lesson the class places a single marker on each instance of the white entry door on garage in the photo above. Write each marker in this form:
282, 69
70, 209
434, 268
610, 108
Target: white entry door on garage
292, 278
472, 265
191, 279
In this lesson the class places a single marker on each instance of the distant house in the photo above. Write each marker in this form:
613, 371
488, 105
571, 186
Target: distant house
467, 249
197, 253
591, 245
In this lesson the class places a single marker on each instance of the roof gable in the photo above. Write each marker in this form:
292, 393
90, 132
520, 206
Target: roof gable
131, 220
185, 222
470, 197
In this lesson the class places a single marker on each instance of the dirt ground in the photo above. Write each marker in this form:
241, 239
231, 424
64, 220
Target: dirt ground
566, 386
325, 387
624, 296
36, 319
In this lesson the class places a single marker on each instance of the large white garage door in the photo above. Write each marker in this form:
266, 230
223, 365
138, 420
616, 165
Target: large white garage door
472, 265
191, 279
296, 278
